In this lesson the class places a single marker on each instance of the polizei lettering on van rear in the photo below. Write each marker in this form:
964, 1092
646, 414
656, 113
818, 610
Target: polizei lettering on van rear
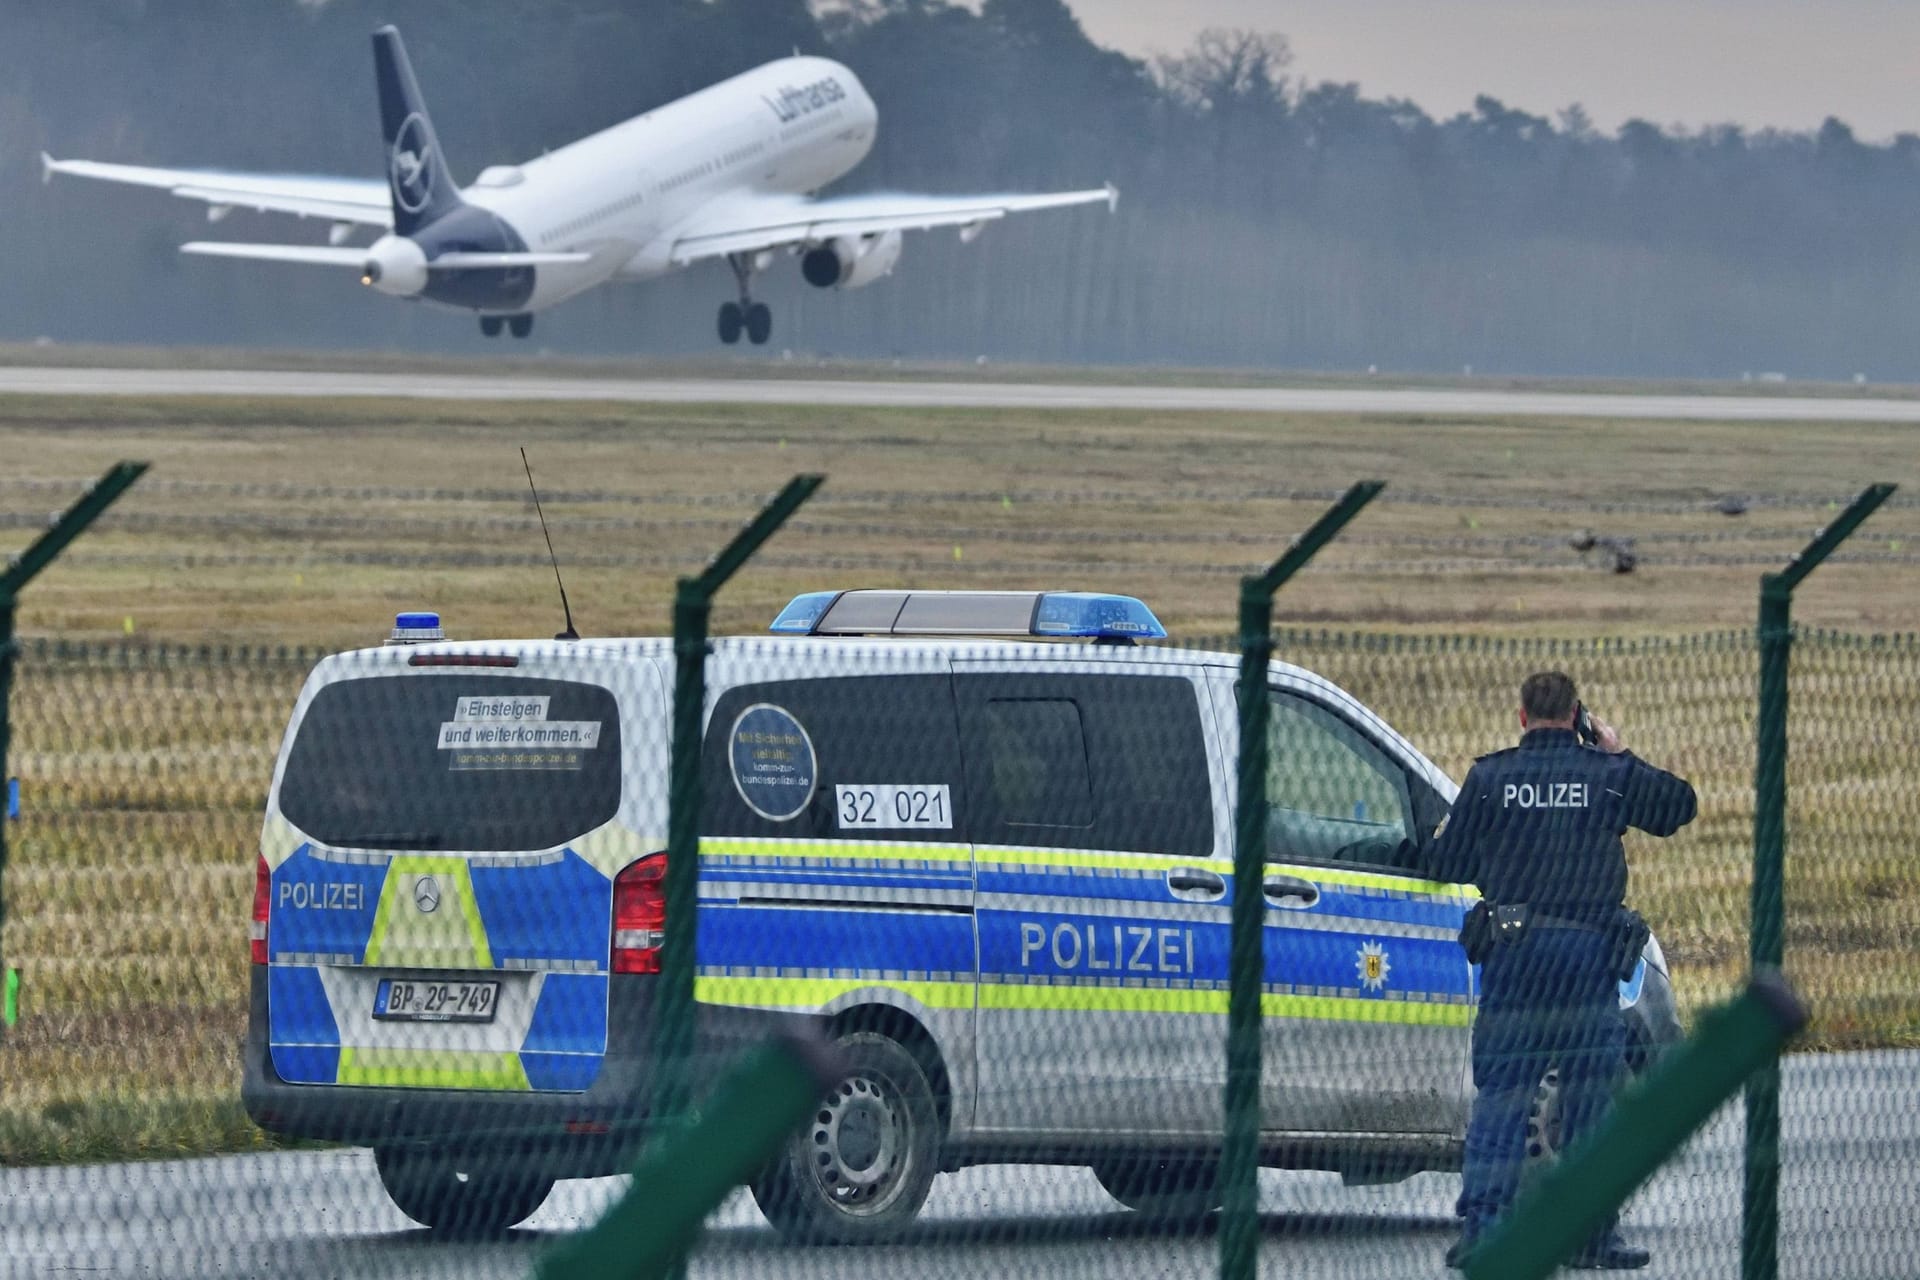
321, 895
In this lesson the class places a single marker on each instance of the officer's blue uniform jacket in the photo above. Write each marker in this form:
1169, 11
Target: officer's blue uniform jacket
1540, 825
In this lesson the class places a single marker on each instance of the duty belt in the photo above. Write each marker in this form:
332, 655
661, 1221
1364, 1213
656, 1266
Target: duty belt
1541, 920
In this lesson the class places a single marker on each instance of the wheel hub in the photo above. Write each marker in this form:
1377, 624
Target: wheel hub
858, 1144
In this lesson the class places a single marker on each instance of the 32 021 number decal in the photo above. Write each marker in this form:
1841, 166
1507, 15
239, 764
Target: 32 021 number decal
893, 807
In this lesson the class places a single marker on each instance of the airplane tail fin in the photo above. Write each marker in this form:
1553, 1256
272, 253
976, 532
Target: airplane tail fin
423, 190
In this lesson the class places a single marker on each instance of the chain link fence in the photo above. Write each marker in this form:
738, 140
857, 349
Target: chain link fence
999, 878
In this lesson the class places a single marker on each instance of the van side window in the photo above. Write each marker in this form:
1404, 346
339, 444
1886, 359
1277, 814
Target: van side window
1086, 761
1333, 795
1036, 762
863, 731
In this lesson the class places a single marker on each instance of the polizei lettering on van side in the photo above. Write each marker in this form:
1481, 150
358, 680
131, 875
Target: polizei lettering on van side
1115, 948
791, 103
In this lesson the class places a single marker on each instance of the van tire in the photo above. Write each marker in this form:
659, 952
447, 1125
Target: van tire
861, 1168
1176, 1190
435, 1190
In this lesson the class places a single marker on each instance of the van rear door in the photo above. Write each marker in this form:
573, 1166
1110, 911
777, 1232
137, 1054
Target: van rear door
440, 900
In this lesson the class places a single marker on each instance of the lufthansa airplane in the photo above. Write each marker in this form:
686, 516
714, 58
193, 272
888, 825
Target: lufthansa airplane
725, 173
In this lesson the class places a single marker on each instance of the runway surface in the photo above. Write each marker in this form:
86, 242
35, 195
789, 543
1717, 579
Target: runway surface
1850, 1210
1445, 402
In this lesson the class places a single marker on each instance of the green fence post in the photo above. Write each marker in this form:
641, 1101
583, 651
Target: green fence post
1648, 1125
44, 549
1766, 934
692, 601
1240, 1150
686, 1174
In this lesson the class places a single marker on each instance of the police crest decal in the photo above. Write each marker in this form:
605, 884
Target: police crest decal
1371, 964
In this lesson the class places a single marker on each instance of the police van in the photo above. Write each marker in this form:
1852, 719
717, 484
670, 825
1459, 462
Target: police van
998, 866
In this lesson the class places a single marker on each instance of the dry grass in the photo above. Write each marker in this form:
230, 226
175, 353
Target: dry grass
129, 882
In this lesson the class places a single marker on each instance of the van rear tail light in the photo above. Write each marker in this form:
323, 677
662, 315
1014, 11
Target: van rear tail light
462, 660
640, 915
262, 895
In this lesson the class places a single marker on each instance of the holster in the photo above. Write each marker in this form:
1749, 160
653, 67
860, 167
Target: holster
1630, 934
1488, 926
1476, 932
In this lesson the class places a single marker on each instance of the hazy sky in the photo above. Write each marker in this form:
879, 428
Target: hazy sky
1790, 63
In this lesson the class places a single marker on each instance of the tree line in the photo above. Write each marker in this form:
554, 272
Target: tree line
1265, 220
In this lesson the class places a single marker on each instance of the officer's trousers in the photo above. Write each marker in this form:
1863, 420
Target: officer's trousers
1547, 1001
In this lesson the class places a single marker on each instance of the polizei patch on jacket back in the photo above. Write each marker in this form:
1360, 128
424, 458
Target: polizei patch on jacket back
1544, 795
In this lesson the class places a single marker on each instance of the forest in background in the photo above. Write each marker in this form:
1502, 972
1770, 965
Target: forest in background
1266, 219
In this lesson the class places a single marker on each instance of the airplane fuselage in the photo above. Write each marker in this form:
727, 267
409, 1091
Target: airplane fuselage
788, 127
730, 174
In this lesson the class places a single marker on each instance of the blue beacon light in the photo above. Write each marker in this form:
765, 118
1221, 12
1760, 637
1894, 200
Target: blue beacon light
416, 628
803, 613
1096, 616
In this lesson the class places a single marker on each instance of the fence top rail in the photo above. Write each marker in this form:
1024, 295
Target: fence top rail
51, 651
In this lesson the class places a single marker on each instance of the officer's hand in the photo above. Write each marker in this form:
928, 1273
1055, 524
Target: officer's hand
1606, 736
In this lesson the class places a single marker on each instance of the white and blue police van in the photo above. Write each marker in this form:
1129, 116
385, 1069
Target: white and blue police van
996, 866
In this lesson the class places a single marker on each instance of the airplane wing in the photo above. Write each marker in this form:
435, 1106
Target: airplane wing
775, 221
320, 256
357, 200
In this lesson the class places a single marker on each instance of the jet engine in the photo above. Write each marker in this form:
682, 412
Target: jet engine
395, 265
851, 262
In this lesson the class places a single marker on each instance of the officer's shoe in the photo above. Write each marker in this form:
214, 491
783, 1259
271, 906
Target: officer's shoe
1610, 1254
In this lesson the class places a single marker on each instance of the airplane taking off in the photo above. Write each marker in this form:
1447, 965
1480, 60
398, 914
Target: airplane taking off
725, 173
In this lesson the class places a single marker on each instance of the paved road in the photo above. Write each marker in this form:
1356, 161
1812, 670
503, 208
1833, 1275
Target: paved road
953, 395
1850, 1197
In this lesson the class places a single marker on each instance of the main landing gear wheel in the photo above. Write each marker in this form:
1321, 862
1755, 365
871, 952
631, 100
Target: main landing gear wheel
435, 1190
861, 1168
490, 326
755, 319
759, 324
732, 321
520, 326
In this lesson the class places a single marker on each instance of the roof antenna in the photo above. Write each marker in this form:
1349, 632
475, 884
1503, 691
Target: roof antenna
569, 633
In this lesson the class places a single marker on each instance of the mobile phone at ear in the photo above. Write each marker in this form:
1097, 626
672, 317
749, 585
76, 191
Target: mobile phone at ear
1583, 725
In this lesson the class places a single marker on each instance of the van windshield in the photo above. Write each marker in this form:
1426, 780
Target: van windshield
455, 762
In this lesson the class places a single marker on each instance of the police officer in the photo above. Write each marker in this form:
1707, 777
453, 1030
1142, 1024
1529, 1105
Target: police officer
1537, 828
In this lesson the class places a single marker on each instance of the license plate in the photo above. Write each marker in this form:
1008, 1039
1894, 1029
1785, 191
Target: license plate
435, 1000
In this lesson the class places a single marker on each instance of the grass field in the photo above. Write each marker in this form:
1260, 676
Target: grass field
267, 524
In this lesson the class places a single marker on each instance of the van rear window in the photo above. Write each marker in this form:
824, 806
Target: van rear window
455, 762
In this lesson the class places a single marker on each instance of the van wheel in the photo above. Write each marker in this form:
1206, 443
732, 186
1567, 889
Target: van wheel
1181, 1190
1543, 1122
435, 1190
861, 1168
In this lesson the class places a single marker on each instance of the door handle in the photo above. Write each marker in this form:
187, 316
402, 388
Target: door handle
1291, 891
1196, 884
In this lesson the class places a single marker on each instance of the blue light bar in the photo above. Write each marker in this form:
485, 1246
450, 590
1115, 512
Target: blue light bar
1052, 614
1100, 617
416, 628
803, 613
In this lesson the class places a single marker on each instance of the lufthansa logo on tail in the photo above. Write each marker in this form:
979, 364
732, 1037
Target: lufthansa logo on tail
410, 164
